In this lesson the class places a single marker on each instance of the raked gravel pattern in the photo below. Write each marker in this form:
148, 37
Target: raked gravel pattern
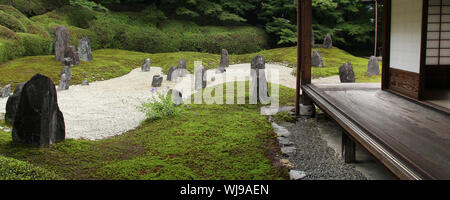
108, 108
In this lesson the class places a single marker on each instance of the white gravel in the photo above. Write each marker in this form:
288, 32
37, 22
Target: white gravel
108, 108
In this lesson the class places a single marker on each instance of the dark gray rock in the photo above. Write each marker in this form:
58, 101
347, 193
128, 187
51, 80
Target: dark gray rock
85, 82
6, 91
157, 81
38, 120
62, 42
224, 59
182, 71
373, 67
328, 42
84, 49
66, 75
316, 59
177, 97
146, 65
346, 73
259, 86
12, 104
73, 55
172, 75
200, 78
220, 70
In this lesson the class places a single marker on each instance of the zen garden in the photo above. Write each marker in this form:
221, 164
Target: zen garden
222, 90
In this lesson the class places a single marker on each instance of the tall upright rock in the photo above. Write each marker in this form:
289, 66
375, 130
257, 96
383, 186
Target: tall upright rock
316, 59
200, 78
181, 68
145, 67
38, 120
328, 42
172, 75
259, 86
73, 55
224, 59
84, 49
62, 42
346, 73
373, 67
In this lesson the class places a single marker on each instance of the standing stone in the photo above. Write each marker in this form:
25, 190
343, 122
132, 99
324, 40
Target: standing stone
73, 55
6, 91
316, 60
66, 75
84, 49
177, 97
63, 82
38, 120
224, 59
157, 81
146, 65
200, 78
62, 42
182, 71
259, 85
327, 42
12, 104
373, 68
172, 75
346, 73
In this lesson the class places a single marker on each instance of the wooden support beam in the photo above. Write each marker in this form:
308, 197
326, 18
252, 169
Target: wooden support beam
386, 44
304, 35
305, 49
348, 148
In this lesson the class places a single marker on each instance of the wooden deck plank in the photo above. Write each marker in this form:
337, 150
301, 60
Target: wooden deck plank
418, 135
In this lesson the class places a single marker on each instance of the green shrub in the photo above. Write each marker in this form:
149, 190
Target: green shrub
35, 7
7, 33
34, 44
158, 108
11, 22
12, 169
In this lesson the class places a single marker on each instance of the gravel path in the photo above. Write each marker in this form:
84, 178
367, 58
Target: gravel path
108, 108
315, 157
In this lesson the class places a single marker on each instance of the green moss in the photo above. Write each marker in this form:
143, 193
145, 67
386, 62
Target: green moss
220, 142
12, 169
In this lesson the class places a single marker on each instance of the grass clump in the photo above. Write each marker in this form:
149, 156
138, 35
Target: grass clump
160, 107
284, 117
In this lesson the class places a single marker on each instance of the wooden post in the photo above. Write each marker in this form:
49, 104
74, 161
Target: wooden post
386, 44
297, 83
304, 34
348, 148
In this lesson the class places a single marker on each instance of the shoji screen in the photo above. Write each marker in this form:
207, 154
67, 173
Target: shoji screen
438, 34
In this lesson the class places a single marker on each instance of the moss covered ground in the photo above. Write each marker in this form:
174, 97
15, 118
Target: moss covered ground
204, 142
